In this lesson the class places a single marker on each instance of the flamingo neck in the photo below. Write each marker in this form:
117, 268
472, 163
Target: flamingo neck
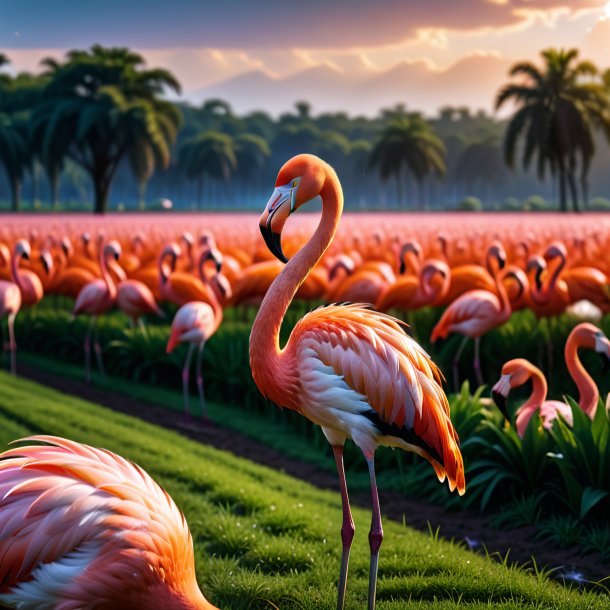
271, 366
588, 394
164, 270
107, 277
16, 275
548, 290
505, 308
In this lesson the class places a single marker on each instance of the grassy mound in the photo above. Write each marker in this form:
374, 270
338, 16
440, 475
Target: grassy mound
264, 540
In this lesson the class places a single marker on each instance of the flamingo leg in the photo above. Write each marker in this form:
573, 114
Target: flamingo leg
200, 379
12, 345
347, 529
185, 380
477, 361
456, 364
87, 347
97, 348
375, 534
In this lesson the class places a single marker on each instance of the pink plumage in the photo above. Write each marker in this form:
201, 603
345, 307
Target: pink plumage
82, 527
136, 300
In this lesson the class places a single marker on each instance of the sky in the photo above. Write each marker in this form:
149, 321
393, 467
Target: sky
349, 55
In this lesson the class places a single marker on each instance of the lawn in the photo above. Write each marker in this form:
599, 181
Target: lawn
265, 540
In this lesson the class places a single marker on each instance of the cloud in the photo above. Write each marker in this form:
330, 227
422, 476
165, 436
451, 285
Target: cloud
264, 24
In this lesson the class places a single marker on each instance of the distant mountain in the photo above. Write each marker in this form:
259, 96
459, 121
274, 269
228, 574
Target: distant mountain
472, 81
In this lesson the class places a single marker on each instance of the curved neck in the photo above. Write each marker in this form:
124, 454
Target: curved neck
539, 391
164, 271
505, 308
265, 335
15, 270
106, 275
550, 287
214, 295
588, 394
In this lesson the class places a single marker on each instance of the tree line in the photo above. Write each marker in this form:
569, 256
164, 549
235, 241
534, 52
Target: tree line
100, 119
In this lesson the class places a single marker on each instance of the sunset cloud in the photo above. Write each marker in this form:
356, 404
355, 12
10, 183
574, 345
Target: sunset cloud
212, 45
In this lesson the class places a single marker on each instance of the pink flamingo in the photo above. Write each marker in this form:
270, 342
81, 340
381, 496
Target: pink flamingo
477, 312
586, 336
516, 373
84, 528
29, 283
195, 322
96, 298
135, 299
10, 303
349, 369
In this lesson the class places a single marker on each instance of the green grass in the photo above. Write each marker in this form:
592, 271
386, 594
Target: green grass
264, 540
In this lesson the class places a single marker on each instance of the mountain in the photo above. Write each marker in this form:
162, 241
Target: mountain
472, 81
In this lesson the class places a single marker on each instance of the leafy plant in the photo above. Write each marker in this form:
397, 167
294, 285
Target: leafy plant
583, 460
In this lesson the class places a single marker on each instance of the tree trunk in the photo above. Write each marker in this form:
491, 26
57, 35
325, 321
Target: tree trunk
142, 195
101, 188
399, 189
16, 193
573, 190
584, 186
54, 181
562, 188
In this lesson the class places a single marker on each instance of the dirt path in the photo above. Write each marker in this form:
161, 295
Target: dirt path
469, 526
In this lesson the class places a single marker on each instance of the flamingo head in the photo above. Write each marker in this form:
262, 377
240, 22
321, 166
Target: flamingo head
300, 180
23, 249
66, 246
86, 237
591, 337
113, 249
410, 246
497, 253
556, 250
538, 265
514, 374
47, 261
222, 287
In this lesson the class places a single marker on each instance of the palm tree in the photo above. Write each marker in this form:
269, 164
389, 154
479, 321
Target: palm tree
102, 105
210, 153
559, 105
14, 154
409, 142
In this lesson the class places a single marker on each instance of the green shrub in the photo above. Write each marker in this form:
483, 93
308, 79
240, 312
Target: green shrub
535, 203
470, 204
600, 204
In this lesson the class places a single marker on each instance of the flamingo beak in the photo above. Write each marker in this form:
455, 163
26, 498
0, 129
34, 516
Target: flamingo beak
47, 262
602, 347
281, 204
216, 256
500, 392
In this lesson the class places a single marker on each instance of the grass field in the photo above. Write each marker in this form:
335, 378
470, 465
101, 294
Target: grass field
264, 540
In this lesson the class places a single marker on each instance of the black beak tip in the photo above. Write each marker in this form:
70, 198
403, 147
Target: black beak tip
274, 243
500, 402
605, 363
403, 268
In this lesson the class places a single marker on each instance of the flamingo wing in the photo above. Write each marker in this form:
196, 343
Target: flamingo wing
362, 366
476, 306
66, 510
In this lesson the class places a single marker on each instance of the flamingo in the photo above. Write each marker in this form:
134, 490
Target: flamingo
477, 312
28, 282
84, 528
96, 298
136, 300
409, 292
516, 373
349, 369
10, 303
588, 336
195, 322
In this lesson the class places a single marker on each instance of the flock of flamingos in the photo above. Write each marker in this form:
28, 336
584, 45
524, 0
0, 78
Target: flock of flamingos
92, 517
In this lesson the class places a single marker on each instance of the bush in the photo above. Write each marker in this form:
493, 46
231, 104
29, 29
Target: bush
511, 204
600, 204
535, 203
470, 204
